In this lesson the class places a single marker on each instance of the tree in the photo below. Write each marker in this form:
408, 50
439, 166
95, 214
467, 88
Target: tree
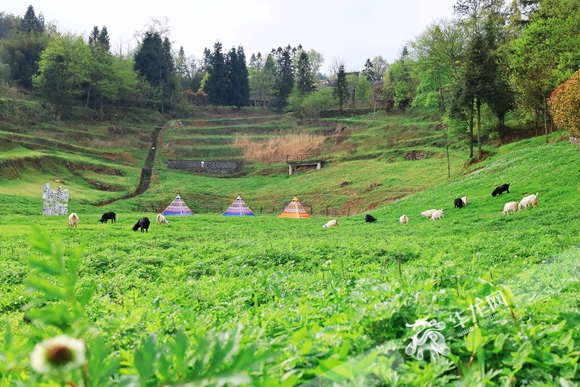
63, 69
399, 75
316, 60
101, 77
304, 80
30, 23
564, 105
482, 80
369, 71
309, 106
341, 87
546, 54
262, 72
285, 70
217, 86
363, 89
437, 53
153, 60
352, 81
9, 24
22, 53
238, 78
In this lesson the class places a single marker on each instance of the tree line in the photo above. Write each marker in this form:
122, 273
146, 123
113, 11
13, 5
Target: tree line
493, 59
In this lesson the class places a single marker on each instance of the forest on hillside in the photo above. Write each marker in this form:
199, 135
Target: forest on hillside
495, 59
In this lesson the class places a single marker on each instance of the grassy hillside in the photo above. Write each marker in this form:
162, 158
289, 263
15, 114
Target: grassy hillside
380, 147
328, 304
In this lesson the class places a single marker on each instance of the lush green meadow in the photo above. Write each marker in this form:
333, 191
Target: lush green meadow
264, 301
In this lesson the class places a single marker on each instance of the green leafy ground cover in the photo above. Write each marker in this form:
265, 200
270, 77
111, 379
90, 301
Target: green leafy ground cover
265, 301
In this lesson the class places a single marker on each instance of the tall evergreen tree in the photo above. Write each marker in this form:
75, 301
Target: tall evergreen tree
482, 79
369, 71
341, 87
238, 77
30, 23
104, 39
154, 61
304, 80
284, 58
217, 85
101, 80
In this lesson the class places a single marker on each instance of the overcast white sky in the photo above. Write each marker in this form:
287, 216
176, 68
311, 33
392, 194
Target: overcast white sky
352, 30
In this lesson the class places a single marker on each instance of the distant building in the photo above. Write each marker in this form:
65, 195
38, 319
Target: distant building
261, 100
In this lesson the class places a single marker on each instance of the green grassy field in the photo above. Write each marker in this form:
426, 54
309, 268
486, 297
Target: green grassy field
264, 301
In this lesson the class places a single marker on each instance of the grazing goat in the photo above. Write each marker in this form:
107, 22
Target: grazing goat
458, 203
369, 219
161, 219
109, 215
427, 214
404, 219
500, 189
437, 215
511, 206
331, 223
464, 200
530, 200
142, 223
73, 220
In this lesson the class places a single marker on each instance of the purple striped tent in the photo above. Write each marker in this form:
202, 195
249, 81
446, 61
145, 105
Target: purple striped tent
177, 208
239, 208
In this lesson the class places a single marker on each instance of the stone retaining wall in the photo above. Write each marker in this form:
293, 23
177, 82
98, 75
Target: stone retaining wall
206, 166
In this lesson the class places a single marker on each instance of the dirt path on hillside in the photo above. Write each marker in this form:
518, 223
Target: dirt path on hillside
146, 171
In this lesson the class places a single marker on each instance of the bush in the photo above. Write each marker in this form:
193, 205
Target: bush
309, 106
565, 105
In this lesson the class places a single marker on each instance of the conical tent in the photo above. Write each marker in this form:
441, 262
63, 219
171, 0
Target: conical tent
177, 208
294, 209
239, 208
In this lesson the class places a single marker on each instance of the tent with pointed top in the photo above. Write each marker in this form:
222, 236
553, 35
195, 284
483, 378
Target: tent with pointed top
238, 208
177, 208
294, 209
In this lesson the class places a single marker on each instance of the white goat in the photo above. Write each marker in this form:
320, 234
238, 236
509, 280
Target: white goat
511, 206
530, 200
427, 214
73, 220
404, 219
161, 219
464, 200
331, 223
437, 215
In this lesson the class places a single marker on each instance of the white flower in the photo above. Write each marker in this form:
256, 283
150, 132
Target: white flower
58, 355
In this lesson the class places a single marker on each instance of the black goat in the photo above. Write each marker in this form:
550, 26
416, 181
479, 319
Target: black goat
369, 219
109, 215
500, 189
142, 223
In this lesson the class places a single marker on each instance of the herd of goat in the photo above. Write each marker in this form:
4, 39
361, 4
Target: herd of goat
530, 200
143, 223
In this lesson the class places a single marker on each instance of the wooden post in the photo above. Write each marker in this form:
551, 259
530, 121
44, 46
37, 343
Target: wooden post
348, 212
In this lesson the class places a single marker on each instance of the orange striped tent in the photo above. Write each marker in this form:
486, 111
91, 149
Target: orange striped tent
294, 209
